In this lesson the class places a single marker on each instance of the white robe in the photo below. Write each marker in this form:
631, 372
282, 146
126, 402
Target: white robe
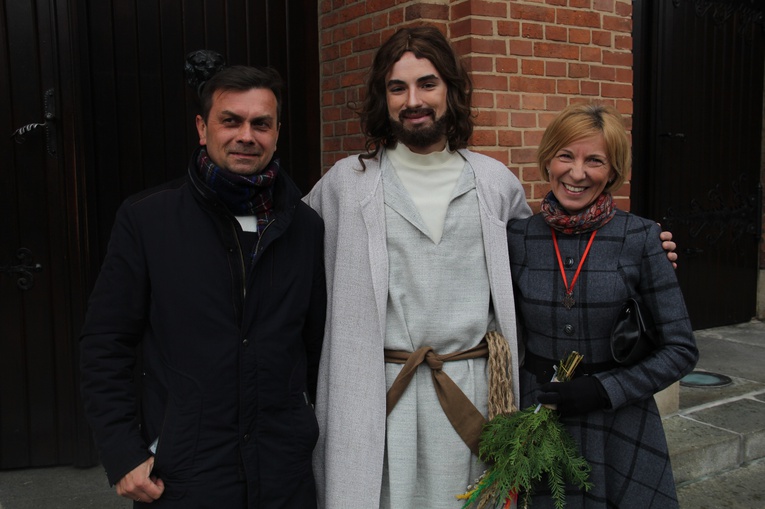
438, 295
350, 405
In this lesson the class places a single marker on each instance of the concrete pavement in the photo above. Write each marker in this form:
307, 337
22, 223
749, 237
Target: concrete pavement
58, 488
717, 438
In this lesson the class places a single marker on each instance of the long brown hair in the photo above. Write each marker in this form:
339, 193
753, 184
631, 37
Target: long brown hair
425, 42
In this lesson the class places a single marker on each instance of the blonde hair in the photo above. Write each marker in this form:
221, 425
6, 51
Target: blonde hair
579, 121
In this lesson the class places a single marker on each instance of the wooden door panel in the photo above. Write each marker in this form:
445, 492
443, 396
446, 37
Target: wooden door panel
704, 147
37, 390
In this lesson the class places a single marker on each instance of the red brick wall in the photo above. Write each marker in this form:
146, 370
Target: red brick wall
528, 59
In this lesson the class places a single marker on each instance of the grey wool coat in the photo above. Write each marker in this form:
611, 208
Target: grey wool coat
625, 445
350, 401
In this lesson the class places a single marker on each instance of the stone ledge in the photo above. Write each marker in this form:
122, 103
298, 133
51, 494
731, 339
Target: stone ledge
697, 449
745, 417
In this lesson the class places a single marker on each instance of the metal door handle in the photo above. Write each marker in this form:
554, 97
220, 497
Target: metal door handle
49, 124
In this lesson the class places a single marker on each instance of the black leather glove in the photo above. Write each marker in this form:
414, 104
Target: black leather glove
579, 396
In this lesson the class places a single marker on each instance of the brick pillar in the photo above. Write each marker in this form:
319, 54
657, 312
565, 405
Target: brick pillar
528, 60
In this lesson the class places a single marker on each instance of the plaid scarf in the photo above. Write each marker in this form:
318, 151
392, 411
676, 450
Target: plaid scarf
596, 215
243, 195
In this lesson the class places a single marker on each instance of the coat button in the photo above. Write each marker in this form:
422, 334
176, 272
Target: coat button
246, 437
569, 262
245, 342
568, 329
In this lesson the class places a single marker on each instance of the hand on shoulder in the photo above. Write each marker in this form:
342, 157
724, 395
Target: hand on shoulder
669, 246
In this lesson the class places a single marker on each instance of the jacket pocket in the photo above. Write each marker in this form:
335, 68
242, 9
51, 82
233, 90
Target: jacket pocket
179, 435
305, 431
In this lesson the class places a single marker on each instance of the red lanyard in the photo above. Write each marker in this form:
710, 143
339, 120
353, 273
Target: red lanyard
568, 299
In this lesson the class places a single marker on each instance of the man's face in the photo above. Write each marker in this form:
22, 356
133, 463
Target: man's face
416, 97
241, 130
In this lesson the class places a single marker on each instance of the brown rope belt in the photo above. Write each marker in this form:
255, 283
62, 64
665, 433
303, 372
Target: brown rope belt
462, 414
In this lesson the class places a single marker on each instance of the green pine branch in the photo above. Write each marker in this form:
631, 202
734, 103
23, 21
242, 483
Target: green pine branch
523, 447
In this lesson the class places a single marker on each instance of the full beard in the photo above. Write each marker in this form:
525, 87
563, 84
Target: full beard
422, 136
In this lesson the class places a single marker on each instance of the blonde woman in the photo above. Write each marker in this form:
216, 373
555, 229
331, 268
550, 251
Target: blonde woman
574, 264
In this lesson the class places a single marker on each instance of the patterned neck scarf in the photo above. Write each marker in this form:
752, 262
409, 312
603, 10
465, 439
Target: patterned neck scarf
596, 215
243, 195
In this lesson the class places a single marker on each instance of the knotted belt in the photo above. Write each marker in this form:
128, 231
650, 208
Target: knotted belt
462, 414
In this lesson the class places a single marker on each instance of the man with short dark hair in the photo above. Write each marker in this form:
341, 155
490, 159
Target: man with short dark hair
218, 277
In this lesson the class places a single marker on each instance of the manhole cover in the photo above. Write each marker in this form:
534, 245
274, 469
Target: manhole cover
704, 379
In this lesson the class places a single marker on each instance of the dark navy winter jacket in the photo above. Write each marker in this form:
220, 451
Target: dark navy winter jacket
227, 364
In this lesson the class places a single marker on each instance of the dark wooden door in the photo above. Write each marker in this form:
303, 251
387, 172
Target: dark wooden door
40, 421
98, 90
698, 138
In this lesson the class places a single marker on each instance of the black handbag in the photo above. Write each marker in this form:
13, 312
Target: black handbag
632, 336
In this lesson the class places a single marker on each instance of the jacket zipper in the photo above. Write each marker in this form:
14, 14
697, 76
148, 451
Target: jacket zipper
241, 264
241, 255
260, 237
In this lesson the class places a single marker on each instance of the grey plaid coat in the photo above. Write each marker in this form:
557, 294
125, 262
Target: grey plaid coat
625, 445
